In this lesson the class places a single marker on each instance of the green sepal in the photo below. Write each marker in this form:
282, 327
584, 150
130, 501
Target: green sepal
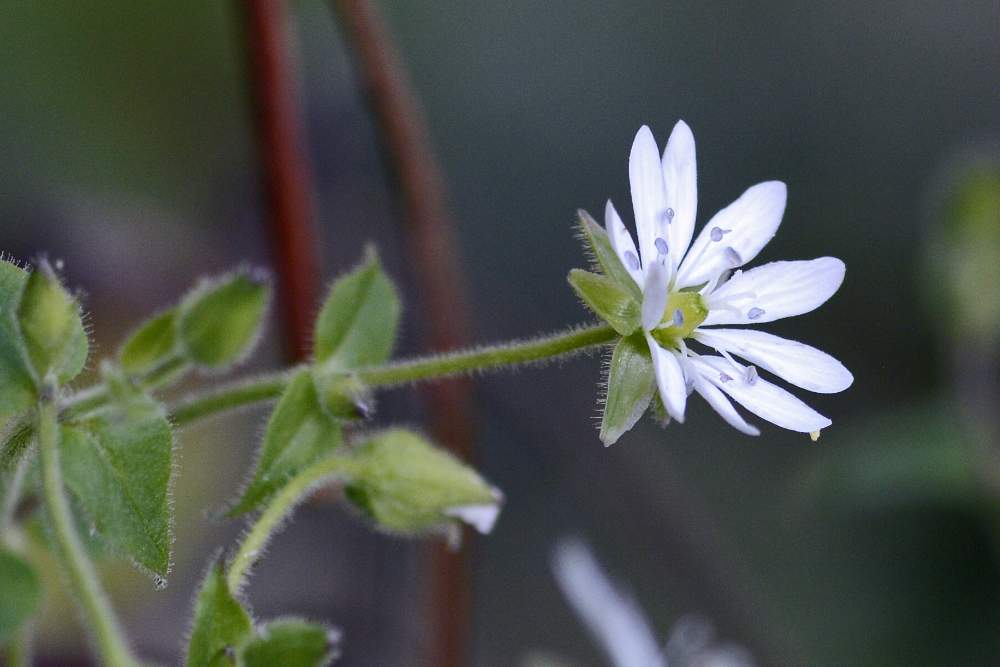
358, 322
343, 395
408, 486
20, 593
17, 388
118, 467
298, 433
609, 300
51, 326
602, 255
219, 321
221, 624
291, 642
152, 343
631, 384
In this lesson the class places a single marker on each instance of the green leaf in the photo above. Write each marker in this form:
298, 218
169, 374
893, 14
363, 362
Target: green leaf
357, 325
20, 593
221, 624
631, 384
603, 256
118, 467
219, 321
51, 326
291, 643
153, 342
410, 487
17, 389
609, 300
298, 434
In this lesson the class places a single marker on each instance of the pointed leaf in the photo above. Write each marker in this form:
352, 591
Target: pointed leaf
21, 593
220, 320
154, 341
298, 434
119, 467
597, 244
357, 325
221, 624
291, 643
609, 300
631, 384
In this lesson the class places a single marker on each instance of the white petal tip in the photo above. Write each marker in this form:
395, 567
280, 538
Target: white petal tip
480, 517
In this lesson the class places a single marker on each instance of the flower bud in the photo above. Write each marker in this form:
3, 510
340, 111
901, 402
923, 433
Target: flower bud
51, 326
343, 395
408, 486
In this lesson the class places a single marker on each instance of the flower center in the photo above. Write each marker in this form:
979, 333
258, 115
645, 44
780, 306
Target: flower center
684, 312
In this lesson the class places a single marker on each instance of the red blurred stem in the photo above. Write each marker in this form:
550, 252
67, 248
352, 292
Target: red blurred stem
430, 240
286, 172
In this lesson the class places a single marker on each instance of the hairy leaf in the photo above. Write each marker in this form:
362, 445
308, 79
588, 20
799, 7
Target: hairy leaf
221, 624
291, 643
604, 256
20, 593
298, 434
154, 341
51, 326
118, 467
357, 325
219, 321
609, 300
631, 384
17, 389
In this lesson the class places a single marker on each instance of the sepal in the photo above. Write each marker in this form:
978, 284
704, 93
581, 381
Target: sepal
609, 300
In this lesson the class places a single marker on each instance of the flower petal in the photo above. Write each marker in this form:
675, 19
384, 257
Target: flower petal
621, 241
774, 291
669, 380
680, 180
794, 362
480, 517
649, 198
735, 234
654, 295
764, 399
723, 406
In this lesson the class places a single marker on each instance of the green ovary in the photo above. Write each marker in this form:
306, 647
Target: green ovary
674, 328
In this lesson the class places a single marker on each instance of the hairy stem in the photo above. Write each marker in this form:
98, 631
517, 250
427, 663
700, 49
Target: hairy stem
272, 518
269, 387
95, 608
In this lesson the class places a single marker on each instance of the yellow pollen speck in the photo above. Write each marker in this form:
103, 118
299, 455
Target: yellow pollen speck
814, 436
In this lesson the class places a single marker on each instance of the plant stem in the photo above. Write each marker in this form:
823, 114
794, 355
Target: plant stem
272, 518
96, 396
95, 608
269, 387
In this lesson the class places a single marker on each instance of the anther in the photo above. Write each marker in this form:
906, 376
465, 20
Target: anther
678, 318
661, 246
670, 214
751, 376
725, 377
755, 312
718, 232
733, 257
631, 260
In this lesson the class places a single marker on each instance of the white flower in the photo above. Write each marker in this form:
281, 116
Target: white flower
691, 288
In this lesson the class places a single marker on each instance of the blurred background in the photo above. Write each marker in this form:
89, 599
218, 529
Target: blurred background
130, 150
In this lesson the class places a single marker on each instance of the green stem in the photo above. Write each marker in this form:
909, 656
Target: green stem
269, 387
91, 398
96, 610
272, 518
18, 649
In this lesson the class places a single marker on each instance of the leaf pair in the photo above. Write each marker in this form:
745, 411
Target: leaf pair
224, 635
214, 326
356, 328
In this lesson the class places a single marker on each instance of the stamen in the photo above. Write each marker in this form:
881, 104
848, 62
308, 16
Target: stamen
733, 257
755, 312
631, 260
670, 215
717, 233
661, 246
678, 318
751, 377
725, 377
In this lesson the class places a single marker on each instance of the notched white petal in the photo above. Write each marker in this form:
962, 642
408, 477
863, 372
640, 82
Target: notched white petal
764, 399
797, 363
481, 517
681, 184
722, 405
654, 295
774, 291
669, 380
648, 194
622, 243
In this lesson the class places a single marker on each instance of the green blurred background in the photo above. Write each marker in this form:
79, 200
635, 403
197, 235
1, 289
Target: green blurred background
127, 144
